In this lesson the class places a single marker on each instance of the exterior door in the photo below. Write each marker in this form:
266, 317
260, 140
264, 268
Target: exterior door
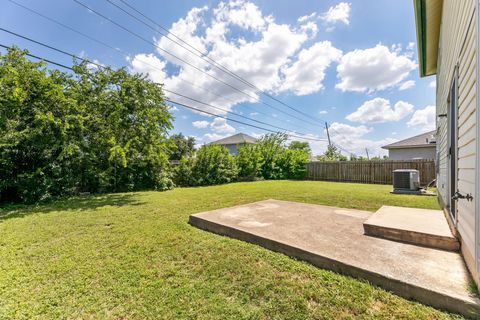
452, 118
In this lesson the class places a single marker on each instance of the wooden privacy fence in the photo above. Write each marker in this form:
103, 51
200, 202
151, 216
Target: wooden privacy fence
373, 171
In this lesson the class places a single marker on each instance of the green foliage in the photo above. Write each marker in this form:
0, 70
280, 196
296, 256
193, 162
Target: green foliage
298, 145
271, 147
181, 146
332, 154
183, 172
213, 164
249, 162
293, 163
95, 130
271, 159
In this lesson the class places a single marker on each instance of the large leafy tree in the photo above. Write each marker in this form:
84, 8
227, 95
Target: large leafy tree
181, 146
89, 130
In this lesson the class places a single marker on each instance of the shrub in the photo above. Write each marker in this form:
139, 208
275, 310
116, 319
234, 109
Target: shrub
183, 173
213, 165
271, 146
249, 162
293, 164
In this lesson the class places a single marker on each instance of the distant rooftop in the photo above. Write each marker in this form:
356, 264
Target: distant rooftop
426, 139
239, 138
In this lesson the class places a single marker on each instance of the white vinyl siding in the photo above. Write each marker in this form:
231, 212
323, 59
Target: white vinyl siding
412, 153
458, 47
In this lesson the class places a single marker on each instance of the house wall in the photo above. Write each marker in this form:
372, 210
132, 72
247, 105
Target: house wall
412, 153
457, 46
232, 148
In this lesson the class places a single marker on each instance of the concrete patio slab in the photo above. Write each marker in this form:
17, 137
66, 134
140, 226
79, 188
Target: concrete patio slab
417, 226
332, 238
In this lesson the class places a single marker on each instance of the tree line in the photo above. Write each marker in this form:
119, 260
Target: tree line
96, 130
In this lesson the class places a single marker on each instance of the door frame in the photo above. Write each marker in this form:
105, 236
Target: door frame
452, 145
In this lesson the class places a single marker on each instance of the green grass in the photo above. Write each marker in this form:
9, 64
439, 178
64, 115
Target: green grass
134, 256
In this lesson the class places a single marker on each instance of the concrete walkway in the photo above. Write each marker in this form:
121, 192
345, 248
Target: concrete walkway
332, 238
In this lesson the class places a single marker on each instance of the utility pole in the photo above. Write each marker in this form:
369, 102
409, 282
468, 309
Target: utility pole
368, 157
328, 134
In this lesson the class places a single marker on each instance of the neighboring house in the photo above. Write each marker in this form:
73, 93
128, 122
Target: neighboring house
232, 143
419, 147
447, 34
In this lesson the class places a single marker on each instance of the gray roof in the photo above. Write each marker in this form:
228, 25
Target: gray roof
426, 139
238, 138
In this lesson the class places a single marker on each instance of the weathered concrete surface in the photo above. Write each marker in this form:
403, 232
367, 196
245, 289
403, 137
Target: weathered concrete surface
417, 226
332, 238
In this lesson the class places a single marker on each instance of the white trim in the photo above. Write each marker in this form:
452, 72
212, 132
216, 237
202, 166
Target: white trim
477, 139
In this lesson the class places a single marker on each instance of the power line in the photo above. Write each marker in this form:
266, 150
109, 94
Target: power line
230, 112
186, 62
101, 66
203, 55
144, 62
125, 54
237, 121
40, 58
49, 47
178, 103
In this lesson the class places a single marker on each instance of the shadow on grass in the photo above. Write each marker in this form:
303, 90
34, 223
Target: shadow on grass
71, 204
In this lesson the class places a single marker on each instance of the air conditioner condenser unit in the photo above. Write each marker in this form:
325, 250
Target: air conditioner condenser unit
406, 179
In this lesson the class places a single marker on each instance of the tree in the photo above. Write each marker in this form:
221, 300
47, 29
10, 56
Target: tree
213, 164
271, 146
93, 130
332, 154
249, 162
181, 146
298, 145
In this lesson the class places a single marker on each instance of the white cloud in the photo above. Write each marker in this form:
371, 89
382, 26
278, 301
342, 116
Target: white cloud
406, 85
149, 63
423, 118
323, 112
265, 53
241, 13
372, 69
306, 75
338, 13
220, 125
253, 114
209, 137
433, 84
379, 110
342, 129
200, 124
307, 17
353, 139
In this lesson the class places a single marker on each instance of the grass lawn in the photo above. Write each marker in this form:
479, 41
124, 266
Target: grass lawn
134, 256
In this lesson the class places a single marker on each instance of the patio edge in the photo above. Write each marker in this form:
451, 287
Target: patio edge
406, 290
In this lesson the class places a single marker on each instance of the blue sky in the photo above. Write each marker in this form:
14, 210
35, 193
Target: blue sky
353, 64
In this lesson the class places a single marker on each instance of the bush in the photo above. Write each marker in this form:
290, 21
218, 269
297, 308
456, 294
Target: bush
183, 173
249, 162
271, 159
213, 165
293, 164
271, 146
